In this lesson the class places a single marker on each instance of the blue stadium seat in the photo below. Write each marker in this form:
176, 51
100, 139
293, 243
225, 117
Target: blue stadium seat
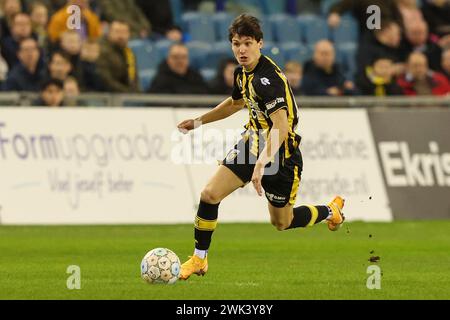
145, 78
346, 57
267, 29
348, 31
208, 74
273, 7
163, 46
222, 22
147, 56
177, 11
198, 54
274, 52
314, 28
199, 26
219, 51
296, 51
286, 28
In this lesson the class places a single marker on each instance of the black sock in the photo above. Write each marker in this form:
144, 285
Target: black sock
307, 216
205, 224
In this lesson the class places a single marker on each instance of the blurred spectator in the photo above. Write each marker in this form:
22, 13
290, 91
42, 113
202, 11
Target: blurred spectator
9, 8
116, 65
445, 63
90, 24
52, 94
175, 76
224, 80
60, 66
385, 43
3, 71
294, 73
71, 92
420, 80
378, 79
418, 38
39, 22
358, 8
20, 29
410, 12
89, 81
159, 14
26, 75
126, 10
71, 42
437, 15
51, 5
322, 75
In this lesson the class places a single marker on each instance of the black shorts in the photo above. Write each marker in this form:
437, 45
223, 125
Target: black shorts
281, 179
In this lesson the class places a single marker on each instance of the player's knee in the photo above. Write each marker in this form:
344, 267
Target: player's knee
210, 196
280, 225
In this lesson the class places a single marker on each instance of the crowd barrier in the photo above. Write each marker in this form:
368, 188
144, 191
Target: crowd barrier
131, 165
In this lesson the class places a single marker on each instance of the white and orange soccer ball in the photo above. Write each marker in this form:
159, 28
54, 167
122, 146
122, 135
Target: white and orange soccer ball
160, 265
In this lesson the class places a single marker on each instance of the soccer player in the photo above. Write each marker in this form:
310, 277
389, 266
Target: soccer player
268, 154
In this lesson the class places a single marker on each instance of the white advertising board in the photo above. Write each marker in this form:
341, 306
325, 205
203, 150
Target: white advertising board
96, 166
126, 166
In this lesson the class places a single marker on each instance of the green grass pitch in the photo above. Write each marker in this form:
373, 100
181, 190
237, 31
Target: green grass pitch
247, 261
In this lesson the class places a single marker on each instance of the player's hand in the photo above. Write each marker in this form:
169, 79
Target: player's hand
188, 125
258, 174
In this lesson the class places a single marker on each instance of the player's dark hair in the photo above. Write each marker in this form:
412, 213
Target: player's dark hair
246, 25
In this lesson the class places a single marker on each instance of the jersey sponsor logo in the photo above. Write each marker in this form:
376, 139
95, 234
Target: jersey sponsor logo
232, 155
265, 82
272, 104
258, 114
274, 198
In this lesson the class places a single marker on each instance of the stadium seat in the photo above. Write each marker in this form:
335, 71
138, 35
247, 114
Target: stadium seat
199, 26
274, 52
198, 54
147, 56
267, 29
314, 28
162, 46
346, 56
177, 10
348, 31
286, 28
145, 78
219, 51
222, 22
296, 51
273, 7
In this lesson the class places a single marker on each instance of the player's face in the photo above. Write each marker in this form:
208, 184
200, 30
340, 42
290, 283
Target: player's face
246, 50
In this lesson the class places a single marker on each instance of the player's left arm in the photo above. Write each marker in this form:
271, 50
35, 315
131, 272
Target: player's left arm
276, 138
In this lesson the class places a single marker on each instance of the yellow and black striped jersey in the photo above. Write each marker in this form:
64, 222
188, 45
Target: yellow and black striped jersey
266, 90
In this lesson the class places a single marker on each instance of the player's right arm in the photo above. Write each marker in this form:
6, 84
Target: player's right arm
222, 111
228, 107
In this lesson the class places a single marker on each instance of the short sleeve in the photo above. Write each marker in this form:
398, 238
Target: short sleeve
272, 90
237, 89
